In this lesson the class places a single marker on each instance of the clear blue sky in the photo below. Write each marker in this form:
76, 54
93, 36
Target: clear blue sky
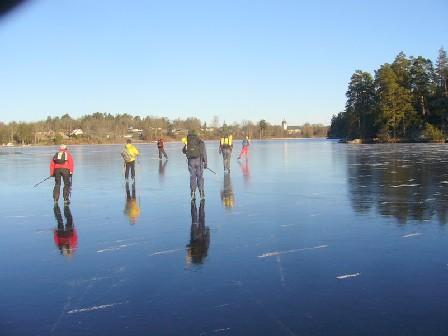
234, 59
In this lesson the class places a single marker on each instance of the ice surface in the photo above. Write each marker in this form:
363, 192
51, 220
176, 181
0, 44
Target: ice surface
276, 249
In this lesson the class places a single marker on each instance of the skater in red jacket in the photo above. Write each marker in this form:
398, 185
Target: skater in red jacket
62, 167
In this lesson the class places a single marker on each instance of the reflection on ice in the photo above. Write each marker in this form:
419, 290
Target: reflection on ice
162, 166
227, 195
65, 235
245, 170
401, 191
199, 235
131, 207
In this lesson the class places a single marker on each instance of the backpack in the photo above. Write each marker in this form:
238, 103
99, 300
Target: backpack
60, 158
193, 146
127, 157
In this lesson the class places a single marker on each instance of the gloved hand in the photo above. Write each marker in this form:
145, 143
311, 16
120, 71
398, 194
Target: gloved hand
205, 165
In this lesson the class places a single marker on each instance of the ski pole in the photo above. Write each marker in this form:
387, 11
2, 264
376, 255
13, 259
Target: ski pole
42, 181
211, 170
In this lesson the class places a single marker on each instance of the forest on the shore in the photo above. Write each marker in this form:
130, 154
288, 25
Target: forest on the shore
100, 128
406, 100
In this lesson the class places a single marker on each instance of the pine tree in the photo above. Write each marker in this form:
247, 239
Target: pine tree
442, 71
360, 105
394, 103
422, 85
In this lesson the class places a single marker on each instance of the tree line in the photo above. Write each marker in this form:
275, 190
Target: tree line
406, 100
101, 127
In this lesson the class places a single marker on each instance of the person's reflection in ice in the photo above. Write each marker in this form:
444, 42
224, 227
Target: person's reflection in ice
199, 236
131, 208
162, 170
244, 165
65, 236
227, 196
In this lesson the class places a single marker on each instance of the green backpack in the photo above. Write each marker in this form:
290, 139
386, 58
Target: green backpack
127, 157
193, 146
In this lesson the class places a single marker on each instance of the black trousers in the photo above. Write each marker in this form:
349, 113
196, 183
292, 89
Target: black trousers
130, 166
162, 151
62, 174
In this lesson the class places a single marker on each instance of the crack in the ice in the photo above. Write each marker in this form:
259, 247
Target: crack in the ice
61, 315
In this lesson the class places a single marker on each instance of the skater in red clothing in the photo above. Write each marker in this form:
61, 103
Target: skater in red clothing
62, 167
245, 149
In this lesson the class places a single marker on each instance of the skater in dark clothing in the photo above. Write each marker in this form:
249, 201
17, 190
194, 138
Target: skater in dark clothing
194, 149
161, 149
62, 167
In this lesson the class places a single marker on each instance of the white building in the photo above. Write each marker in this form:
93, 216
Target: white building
76, 132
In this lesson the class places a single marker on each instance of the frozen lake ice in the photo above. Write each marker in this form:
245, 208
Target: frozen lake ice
307, 237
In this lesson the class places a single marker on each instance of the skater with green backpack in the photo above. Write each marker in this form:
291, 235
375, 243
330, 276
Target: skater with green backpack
194, 149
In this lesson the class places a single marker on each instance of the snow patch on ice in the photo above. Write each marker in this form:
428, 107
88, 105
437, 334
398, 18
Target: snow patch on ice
276, 253
83, 310
346, 276
378, 164
221, 330
411, 235
405, 185
165, 252
113, 248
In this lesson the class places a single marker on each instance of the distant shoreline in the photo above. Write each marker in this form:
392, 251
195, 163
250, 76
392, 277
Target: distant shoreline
142, 142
